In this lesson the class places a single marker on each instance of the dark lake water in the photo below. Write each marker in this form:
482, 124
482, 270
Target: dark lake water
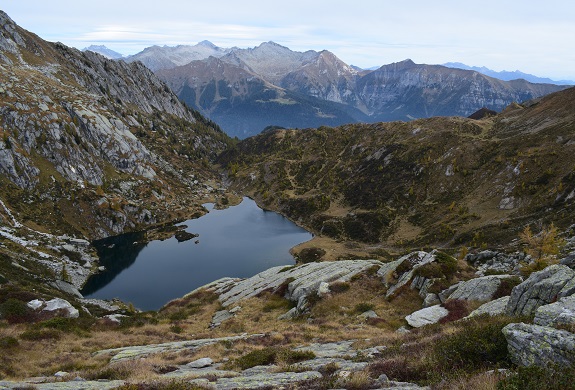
237, 242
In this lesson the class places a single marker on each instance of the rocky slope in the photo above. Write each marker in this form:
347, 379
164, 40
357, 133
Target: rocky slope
439, 181
104, 138
291, 83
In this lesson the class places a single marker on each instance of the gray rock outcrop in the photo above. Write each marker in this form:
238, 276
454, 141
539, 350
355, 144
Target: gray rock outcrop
415, 260
561, 312
541, 288
299, 282
488, 260
427, 316
56, 307
539, 345
493, 308
479, 289
139, 351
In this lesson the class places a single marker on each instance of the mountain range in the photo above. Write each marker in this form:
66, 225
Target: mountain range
509, 75
246, 90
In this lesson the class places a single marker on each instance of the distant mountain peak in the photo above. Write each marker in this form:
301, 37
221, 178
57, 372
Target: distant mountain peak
207, 43
508, 75
103, 50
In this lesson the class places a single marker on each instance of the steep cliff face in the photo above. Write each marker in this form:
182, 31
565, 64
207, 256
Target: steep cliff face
73, 124
408, 90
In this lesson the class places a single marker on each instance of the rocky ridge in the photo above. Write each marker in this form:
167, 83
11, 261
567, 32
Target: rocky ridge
88, 133
290, 83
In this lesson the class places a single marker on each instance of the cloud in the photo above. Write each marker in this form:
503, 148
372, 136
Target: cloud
531, 36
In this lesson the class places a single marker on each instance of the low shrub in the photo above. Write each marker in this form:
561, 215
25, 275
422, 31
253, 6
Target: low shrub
549, 378
506, 286
458, 308
310, 255
37, 334
480, 344
339, 287
401, 368
15, 311
118, 371
363, 307
8, 342
275, 302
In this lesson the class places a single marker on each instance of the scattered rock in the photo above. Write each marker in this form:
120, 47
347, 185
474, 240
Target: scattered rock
267, 380
115, 318
200, 363
57, 307
479, 289
58, 304
368, 314
541, 288
323, 289
493, 308
561, 312
182, 235
35, 304
427, 316
414, 261
74, 385
219, 317
431, 300
539, 345
496, 261
139, 351
339, 349
66, 287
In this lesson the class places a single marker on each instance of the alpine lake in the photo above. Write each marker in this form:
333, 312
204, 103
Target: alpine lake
237, 242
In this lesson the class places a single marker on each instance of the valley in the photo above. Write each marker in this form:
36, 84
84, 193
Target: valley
443, 249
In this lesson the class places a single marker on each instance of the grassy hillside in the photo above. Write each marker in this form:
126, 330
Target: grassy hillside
446, 181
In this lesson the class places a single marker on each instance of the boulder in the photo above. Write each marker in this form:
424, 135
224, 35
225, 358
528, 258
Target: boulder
427, 316
368, 314
541, 288
561, 312
219, 317
414, 261
63, 305
539, 345
57, 307
301, 281
496, 261
492, 308
200, 363
431, 300
480, 289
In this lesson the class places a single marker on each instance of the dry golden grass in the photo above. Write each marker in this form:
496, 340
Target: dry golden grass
483, 381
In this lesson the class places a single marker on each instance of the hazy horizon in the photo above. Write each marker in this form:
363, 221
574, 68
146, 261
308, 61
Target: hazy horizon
526, 37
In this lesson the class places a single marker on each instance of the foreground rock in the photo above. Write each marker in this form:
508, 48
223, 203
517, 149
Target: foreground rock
480, 289
139, 351
541, 288
56, 307
74, 385
493, 308
558, 313
539, 345
427, 316
266, 380
298, 282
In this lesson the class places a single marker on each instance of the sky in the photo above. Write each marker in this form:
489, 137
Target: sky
536, 37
